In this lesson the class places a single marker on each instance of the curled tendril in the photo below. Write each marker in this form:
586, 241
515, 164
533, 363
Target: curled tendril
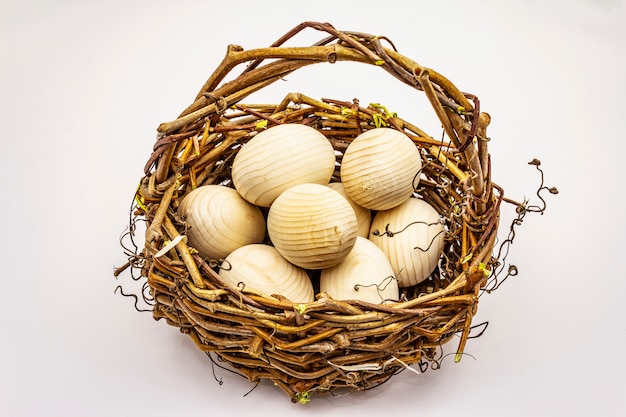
495, 284
135, 261
146, 294
220, 380
220, 263
220, 102
435, 364
390, 233
380, 287
432, 241
522, 209
133, 296
215, 363
251, 389
422, 365
416, 179
552, 190
482, 329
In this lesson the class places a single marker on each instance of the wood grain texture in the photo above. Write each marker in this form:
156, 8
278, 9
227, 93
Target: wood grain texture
365, 274
411, 235
220, 221
260, 268
279, 158
312, 226
379, 168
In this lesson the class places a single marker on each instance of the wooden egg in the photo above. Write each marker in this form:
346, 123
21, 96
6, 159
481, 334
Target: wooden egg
363, 215
261, 268
279, 158
411, 235
365, 274
312, 226
380, 168
220, 221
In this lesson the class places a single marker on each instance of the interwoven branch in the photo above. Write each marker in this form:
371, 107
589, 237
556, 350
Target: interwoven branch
327, 344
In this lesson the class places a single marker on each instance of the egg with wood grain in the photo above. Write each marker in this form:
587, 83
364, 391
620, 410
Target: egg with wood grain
365, 275
412, 236
380, 168
279, 158
261, 269
312, 226
219, 221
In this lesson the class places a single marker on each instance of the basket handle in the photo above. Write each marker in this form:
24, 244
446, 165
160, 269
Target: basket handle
461, 121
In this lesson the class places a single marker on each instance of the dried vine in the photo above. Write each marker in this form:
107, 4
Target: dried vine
326, 346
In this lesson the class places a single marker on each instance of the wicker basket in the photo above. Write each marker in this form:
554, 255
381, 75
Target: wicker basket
326, 345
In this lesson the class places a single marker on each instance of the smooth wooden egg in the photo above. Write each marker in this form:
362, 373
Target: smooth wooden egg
363, 215
279, 158
380, 168
312, 226
220, 221
261, 268
365, 274
411, 235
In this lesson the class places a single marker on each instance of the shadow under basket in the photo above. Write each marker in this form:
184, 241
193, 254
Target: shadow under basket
327, 345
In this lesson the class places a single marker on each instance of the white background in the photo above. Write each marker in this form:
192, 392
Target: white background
83, 86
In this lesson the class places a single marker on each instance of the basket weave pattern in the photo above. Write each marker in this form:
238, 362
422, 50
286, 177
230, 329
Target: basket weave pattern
327, 344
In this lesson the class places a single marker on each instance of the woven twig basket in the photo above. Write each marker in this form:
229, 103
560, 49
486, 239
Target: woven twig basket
326, 345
